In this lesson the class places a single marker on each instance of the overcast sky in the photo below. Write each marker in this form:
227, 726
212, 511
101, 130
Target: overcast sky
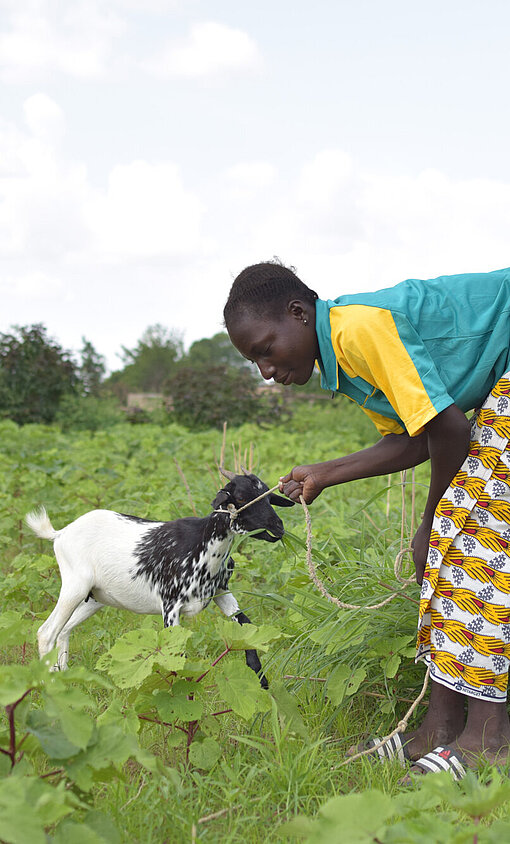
150, 149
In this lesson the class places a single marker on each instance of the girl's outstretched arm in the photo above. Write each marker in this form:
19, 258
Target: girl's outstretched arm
445, 441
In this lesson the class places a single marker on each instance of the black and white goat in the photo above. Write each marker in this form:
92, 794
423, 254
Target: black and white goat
173, 568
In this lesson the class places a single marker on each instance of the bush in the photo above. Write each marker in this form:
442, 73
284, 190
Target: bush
204, 398
88, 413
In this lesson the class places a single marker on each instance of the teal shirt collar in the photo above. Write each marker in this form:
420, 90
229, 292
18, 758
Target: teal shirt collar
328, 364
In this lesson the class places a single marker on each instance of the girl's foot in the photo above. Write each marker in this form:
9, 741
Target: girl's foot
443, 723
485, 738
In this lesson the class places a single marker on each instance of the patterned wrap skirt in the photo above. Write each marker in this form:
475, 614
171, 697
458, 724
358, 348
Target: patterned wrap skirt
464, 619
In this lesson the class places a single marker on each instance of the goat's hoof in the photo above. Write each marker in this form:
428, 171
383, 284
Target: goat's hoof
263, 681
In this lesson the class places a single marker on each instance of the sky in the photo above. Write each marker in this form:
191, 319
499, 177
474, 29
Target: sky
151, 149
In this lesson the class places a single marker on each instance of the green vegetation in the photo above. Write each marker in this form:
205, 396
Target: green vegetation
200, 388
158, 735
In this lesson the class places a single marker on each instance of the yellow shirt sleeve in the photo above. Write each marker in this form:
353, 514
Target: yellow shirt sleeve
384, 424
367, 344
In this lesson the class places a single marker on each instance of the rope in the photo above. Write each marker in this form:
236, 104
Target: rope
402, 724
400, 728
397, 567
322, 589
233, 511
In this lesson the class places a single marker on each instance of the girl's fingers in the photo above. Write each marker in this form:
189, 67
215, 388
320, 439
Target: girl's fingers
292, 489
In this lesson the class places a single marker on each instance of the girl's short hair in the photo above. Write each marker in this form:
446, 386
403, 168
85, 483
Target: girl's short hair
265, 289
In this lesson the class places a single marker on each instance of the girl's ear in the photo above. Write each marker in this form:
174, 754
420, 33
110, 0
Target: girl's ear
297, 309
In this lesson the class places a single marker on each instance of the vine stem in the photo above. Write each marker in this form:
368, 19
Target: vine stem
10, 710
225, 652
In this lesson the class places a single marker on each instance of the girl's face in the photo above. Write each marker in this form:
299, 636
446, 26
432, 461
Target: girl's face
284, 349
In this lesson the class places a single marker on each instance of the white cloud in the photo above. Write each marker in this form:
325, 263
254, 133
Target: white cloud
36, 284
348, 228
44, 118
41, 195
145, 212
165, 251
209, 49
247, 179
322, 179
42, 37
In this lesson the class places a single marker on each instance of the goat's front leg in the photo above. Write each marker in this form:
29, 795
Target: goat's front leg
171, 615
228, 605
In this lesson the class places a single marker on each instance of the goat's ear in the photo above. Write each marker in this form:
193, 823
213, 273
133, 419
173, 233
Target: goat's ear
221, 498
280, 501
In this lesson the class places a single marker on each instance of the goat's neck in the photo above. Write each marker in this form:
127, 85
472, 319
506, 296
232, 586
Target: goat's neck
218, 540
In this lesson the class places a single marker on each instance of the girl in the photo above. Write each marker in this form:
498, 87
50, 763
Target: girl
416, 357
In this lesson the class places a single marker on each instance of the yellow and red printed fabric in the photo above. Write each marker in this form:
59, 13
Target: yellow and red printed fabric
464, 620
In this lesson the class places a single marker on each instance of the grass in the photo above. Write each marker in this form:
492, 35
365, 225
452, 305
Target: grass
267, 773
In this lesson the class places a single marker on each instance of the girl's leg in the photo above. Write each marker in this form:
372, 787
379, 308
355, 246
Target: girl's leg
443, 722
487, 732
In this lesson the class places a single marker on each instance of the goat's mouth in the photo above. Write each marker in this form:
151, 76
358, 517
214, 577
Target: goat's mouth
274, 536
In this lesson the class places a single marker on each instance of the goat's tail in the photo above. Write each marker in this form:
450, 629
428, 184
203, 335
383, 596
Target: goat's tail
39, 522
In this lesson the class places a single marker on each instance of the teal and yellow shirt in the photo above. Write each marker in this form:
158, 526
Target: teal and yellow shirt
406, 353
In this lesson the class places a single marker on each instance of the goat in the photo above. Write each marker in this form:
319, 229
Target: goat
173, 568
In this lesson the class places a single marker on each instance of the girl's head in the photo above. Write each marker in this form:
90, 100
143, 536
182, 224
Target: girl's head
270, 317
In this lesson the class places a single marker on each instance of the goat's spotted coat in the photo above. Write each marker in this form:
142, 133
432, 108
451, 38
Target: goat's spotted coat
174, 568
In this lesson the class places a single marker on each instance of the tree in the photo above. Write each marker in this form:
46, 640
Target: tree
92, 368
35, 372
214, 351
204, 398
150, 363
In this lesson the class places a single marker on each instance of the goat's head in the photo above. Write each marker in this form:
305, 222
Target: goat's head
259, 517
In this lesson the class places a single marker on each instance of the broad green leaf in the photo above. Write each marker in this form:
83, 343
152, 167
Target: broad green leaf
50, 735
109, 751
241, 637
204, 754
177, 707
27, 805
353, 817
124, 716
19, 824
103, 825
68, 704
343, 681
15, 680
391, 664
13, 628
299, 827
134, 655
470, 795
443, 828
288, 709
240, 689
176, 738
78, 834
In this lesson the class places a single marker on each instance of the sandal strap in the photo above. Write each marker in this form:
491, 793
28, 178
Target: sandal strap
442, 759
392, 749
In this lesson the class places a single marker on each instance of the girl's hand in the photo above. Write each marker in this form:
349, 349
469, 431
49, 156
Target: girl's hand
303, 480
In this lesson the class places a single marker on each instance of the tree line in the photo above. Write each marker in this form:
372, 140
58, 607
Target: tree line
40, 382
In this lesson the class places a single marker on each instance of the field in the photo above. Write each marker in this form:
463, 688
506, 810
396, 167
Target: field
157, 735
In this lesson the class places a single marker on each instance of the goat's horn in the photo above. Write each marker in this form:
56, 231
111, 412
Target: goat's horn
226, 473
245, 471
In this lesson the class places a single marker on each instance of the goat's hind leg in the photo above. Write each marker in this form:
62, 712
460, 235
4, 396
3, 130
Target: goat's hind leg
85, 610
71, 596
229, 606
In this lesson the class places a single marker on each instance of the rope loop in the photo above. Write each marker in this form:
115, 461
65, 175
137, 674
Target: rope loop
322, 589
